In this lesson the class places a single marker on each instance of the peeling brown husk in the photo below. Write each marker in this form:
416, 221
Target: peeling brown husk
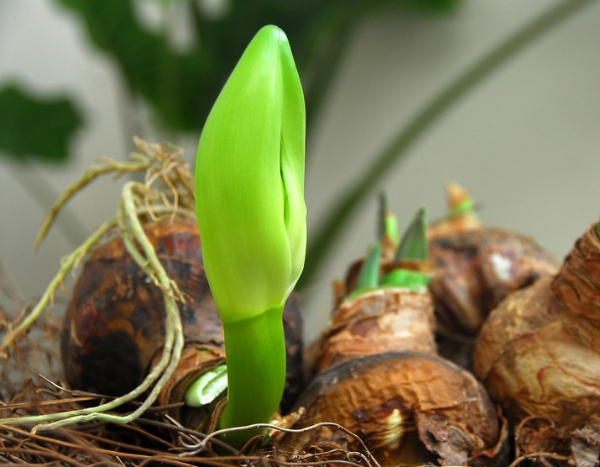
114, 325
410, 408
195, 361
577, 285
474, 270
376, 322
379, 377
538, 354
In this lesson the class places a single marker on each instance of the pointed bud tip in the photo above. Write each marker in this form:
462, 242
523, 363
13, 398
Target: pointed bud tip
271, 33
456, 194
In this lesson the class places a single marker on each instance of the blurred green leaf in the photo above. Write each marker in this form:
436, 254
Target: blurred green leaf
182, 85
37, 127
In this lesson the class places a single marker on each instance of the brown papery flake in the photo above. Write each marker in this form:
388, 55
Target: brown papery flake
410, 408
538, 353
376, 322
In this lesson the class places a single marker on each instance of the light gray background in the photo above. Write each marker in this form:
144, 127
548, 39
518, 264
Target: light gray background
526, 142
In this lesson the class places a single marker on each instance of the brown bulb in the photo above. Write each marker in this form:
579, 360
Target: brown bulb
474, 270
114, 327
538, 354
409, 408
379, 377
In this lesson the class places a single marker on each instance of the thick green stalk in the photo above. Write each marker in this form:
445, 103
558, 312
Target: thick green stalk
255, 355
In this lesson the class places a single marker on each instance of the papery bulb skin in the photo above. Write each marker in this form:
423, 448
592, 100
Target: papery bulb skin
409, 408
377, 322
114, 324
474, 270
538, 353
378, 375
473, 267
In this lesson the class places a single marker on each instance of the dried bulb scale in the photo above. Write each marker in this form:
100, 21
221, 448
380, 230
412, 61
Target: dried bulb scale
114, 325
409, 408
539, 356
476, 267
379, 376
377, 322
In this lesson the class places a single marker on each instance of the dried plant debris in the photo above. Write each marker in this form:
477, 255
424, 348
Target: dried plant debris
167, 191
35, 354
152, 438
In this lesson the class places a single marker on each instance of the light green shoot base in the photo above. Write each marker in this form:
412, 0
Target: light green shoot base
256, 371
207, 388
412, 280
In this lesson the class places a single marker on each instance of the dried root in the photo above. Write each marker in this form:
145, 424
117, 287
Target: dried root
152, 438
167, 190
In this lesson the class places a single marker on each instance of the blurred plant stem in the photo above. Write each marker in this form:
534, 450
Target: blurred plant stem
12, 292
432, 111
44, 195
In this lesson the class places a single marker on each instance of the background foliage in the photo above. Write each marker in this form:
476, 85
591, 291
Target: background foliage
181, 85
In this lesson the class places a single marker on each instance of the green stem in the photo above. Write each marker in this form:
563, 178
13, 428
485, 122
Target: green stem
422, 121
256, 371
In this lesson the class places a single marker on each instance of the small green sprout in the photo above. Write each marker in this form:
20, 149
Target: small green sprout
207, 387
368, 276
465, 208
388, 224
413, 247
414, 244
460, 202
252, 218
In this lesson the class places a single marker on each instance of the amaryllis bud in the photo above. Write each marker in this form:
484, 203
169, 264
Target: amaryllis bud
250, 181
252, 219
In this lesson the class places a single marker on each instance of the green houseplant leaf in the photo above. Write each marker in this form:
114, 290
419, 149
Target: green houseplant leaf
181, 85
36, 127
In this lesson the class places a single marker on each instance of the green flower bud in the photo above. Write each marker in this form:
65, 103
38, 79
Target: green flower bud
250, 181
252, 219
